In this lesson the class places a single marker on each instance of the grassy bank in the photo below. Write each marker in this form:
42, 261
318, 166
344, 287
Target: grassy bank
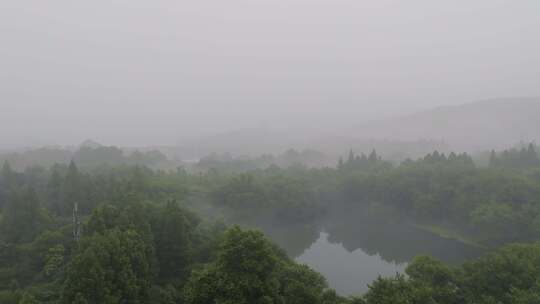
450, 234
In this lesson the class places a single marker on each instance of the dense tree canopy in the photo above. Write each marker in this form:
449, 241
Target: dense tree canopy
109, 268
142, 241
524, 158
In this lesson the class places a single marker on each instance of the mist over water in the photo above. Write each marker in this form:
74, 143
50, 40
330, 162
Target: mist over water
298, 151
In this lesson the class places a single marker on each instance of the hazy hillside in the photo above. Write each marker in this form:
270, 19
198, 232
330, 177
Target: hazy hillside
496, 123
253, 142
260, 141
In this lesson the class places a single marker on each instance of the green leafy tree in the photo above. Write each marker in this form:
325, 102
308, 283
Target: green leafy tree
398, 290
350, 159
8, 175
503, 275
372, 158
54, 260
71, 190
249, 269
173, 243
528, 296
129, 216
436, 277
389, 291
109, 268
245, 272
27, 298
54, 191
301, 285
23, 217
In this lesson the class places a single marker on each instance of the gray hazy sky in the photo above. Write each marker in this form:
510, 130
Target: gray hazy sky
151, 72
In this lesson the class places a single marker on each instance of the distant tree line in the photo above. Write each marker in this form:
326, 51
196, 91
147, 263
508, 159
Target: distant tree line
85, 157
141, 244
226, 163
524, 158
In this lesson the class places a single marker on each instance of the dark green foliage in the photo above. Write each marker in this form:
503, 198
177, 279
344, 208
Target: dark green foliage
28, 299
493, 205
509, 275
524, 158
90, 155
173, 243
8, 175
280, 196
112, 267
373, 162
436, 279
245, 272
71, 190
392, 291
227, 164
23, 217
140, 244
33, 262
301, 285
124, 217
249, 270
54, 191
504, 274
10, 297
164, 295
54, 260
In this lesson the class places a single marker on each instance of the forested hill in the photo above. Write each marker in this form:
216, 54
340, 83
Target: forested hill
472, 126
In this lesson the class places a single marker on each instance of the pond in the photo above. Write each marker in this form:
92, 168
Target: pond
348, 272
353, 249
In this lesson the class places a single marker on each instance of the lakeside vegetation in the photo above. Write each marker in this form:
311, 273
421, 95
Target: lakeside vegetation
154, 236
450, 234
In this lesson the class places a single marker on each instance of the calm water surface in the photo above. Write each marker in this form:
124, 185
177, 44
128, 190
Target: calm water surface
352, 247
351, 256
348, 272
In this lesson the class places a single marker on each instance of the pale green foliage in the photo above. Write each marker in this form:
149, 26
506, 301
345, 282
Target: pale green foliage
54, 260
28, 299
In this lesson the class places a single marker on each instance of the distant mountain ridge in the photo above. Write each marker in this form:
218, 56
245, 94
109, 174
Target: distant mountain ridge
487, 124
470, 127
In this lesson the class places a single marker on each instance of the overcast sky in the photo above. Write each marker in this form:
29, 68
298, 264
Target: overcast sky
152, 72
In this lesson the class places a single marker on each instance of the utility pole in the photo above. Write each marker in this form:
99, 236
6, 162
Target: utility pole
76, 223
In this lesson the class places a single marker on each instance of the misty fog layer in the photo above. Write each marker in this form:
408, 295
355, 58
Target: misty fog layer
157, 72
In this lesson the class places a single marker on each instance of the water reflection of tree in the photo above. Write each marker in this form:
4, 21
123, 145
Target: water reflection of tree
376, 231
295, 238
370, 227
